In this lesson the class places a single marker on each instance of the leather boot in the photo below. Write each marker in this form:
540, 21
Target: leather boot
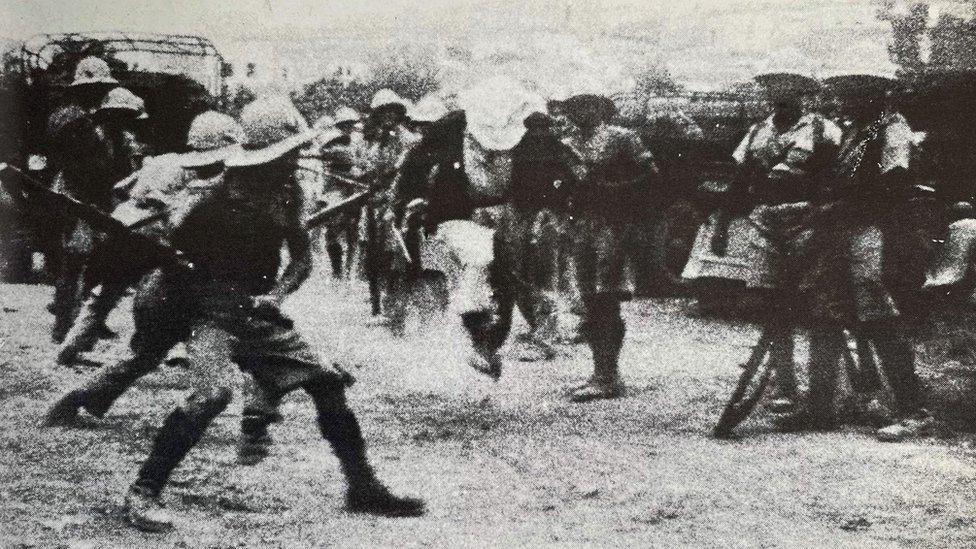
817, 414
334, 249
484, 341
897, 357
87, 329
606, 335
181, 430
365, 493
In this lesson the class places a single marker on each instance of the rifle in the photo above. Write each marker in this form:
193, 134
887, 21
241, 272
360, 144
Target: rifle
737, 191
163, 254
354, 202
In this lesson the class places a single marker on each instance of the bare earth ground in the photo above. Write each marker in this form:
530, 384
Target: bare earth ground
501, 464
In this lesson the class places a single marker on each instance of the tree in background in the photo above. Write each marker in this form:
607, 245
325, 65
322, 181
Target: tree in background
410, 73
952, 39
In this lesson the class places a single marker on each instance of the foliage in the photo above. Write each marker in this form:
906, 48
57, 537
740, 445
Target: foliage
410, 74
952, 38
655, 81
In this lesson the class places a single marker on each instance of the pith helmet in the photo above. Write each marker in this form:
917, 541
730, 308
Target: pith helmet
92, 70
212, 138
346, 115
121, 99
428, 109
389, 99
273, 127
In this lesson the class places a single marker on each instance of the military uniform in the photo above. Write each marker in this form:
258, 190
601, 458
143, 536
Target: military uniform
786, 163
378, 165
859, 242
234, 238
161, 196
157, 197
340, 156
525, 270
614, 171
97, 154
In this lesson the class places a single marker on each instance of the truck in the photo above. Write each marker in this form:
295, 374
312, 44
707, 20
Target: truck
178, 76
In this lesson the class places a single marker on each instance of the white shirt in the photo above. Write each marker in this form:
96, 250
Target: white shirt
786, 152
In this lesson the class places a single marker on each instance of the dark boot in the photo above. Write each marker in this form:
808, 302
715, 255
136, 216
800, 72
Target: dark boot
181, 430
817, 413
867, 381
334, 249
254, 446
365, 493
90, 325
395, 302
67, 296
487, 337
64, 412
897, 357
257, 415
605, 331
101, 391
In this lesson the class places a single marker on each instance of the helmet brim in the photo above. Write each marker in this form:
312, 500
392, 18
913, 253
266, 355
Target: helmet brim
256, 157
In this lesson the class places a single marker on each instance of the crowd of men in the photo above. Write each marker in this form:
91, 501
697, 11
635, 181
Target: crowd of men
818, 202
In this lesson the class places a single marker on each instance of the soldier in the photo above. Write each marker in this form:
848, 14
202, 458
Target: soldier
165, 190
779, 162
861, 244
340, 156
154, 191
523, 267
92, 79
387, 140
614, 170
230, 306
103, 149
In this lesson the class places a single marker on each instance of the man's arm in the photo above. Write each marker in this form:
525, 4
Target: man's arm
299, 251
299, 264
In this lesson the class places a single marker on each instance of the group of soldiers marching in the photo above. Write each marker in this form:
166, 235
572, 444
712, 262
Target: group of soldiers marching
816, 206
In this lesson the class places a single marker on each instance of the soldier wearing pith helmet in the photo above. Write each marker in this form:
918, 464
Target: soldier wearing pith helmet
614, 169
234, 238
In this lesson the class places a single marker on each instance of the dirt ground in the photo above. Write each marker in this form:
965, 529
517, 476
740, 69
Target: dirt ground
503, 464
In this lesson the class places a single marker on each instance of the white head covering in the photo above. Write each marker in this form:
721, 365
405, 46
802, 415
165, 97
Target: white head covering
124, 100
92, 70
273, 127
213, 137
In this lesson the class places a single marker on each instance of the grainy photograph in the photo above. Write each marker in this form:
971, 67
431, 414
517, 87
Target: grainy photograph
485, 273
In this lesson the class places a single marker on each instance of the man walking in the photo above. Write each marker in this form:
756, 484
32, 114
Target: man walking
230, 302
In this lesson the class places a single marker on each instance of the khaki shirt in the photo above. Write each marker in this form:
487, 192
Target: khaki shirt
788, 152
378, 161
611, 157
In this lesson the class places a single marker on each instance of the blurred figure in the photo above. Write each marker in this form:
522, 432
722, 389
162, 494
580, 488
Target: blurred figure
155, 194
862, 241
749, 238
104, 149
523, 272
340, 155
613, 169
387, 140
